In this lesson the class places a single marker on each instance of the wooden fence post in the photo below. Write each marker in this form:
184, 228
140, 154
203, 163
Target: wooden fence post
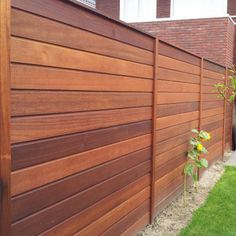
224, 116
154, 117
200, 94
5, 157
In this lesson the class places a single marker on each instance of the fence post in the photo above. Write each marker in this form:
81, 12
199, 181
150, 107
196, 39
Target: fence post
200, 94
224, 115
154, 115
5, 156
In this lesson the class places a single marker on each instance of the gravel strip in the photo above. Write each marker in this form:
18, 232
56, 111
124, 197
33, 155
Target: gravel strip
176, 216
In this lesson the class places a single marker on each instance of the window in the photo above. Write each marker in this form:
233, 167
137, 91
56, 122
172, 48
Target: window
198, 8
137, 10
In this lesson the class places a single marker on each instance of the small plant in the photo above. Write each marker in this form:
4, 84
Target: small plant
227, 90
195, 163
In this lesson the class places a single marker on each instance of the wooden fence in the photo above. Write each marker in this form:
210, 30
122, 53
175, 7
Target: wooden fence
96, 126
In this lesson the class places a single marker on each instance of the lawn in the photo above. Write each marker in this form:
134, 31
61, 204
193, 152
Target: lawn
218, 215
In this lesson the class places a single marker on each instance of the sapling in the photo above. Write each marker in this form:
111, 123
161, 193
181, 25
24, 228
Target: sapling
194, 162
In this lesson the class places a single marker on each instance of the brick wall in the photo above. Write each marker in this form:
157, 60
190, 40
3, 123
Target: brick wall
163, 8
232, 7
111, 7
210, 38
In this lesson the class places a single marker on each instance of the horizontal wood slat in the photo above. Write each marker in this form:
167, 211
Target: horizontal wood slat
37, 53
51, 32
38, 127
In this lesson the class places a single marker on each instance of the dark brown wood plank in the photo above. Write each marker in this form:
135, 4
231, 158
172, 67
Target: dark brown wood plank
118, 228
61, 211
5, 153
38, 127
86, 217
24, 103
78, 16
30, 178
26, 25
32, 153
33, 201
209, 65
174, 109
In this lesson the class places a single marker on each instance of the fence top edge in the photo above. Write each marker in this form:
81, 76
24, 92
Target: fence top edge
110, 18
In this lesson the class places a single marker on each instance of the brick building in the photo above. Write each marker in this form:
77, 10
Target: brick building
200, 26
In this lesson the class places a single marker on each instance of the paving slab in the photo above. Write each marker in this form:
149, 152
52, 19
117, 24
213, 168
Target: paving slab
232, 160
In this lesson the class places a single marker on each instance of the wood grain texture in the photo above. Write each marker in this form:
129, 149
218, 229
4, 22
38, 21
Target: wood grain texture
5, 153
79, 221
51, 32
30, 178
84, 18
172, 75
118, 213
169, 63
36, 152
174, 109
61, 211
38, 127
176, 53
214, 75
171, 98
25, 102
37, 53
38, 77
28, 203
168, 121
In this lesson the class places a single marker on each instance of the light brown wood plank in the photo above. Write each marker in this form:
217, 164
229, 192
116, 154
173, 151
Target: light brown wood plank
32, 52
165, 98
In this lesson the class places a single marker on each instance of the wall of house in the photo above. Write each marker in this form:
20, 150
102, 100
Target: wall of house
232, 7
111, 7
210, 38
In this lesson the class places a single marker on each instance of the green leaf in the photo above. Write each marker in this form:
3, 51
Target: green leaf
188, 169
204, 162
195, 131
195, 177
204, 150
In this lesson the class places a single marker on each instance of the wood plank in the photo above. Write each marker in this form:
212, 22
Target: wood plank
165, 98
209, 65
118, 213
36, 152
137, 226
127, 221
173, 131
35, 77
25, 102
170, 63
172, 75
211, 97
28, 203
177, 87
84, 18
177, 53
79, 221
173, 142
30, 178
174, 109
211, 81
37, 53
168, 121
212, 119
214, 75
209, 89
25, 25
59, 212
5, 153
214, 125
212, 104
211, 112
37, 127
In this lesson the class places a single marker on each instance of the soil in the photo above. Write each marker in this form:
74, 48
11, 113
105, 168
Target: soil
177, 215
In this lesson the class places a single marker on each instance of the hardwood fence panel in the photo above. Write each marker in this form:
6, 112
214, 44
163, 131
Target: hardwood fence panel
101, 117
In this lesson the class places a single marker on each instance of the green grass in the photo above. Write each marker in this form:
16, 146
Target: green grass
217, 217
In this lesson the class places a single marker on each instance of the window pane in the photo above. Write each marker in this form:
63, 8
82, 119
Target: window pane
199, 8
147, 10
